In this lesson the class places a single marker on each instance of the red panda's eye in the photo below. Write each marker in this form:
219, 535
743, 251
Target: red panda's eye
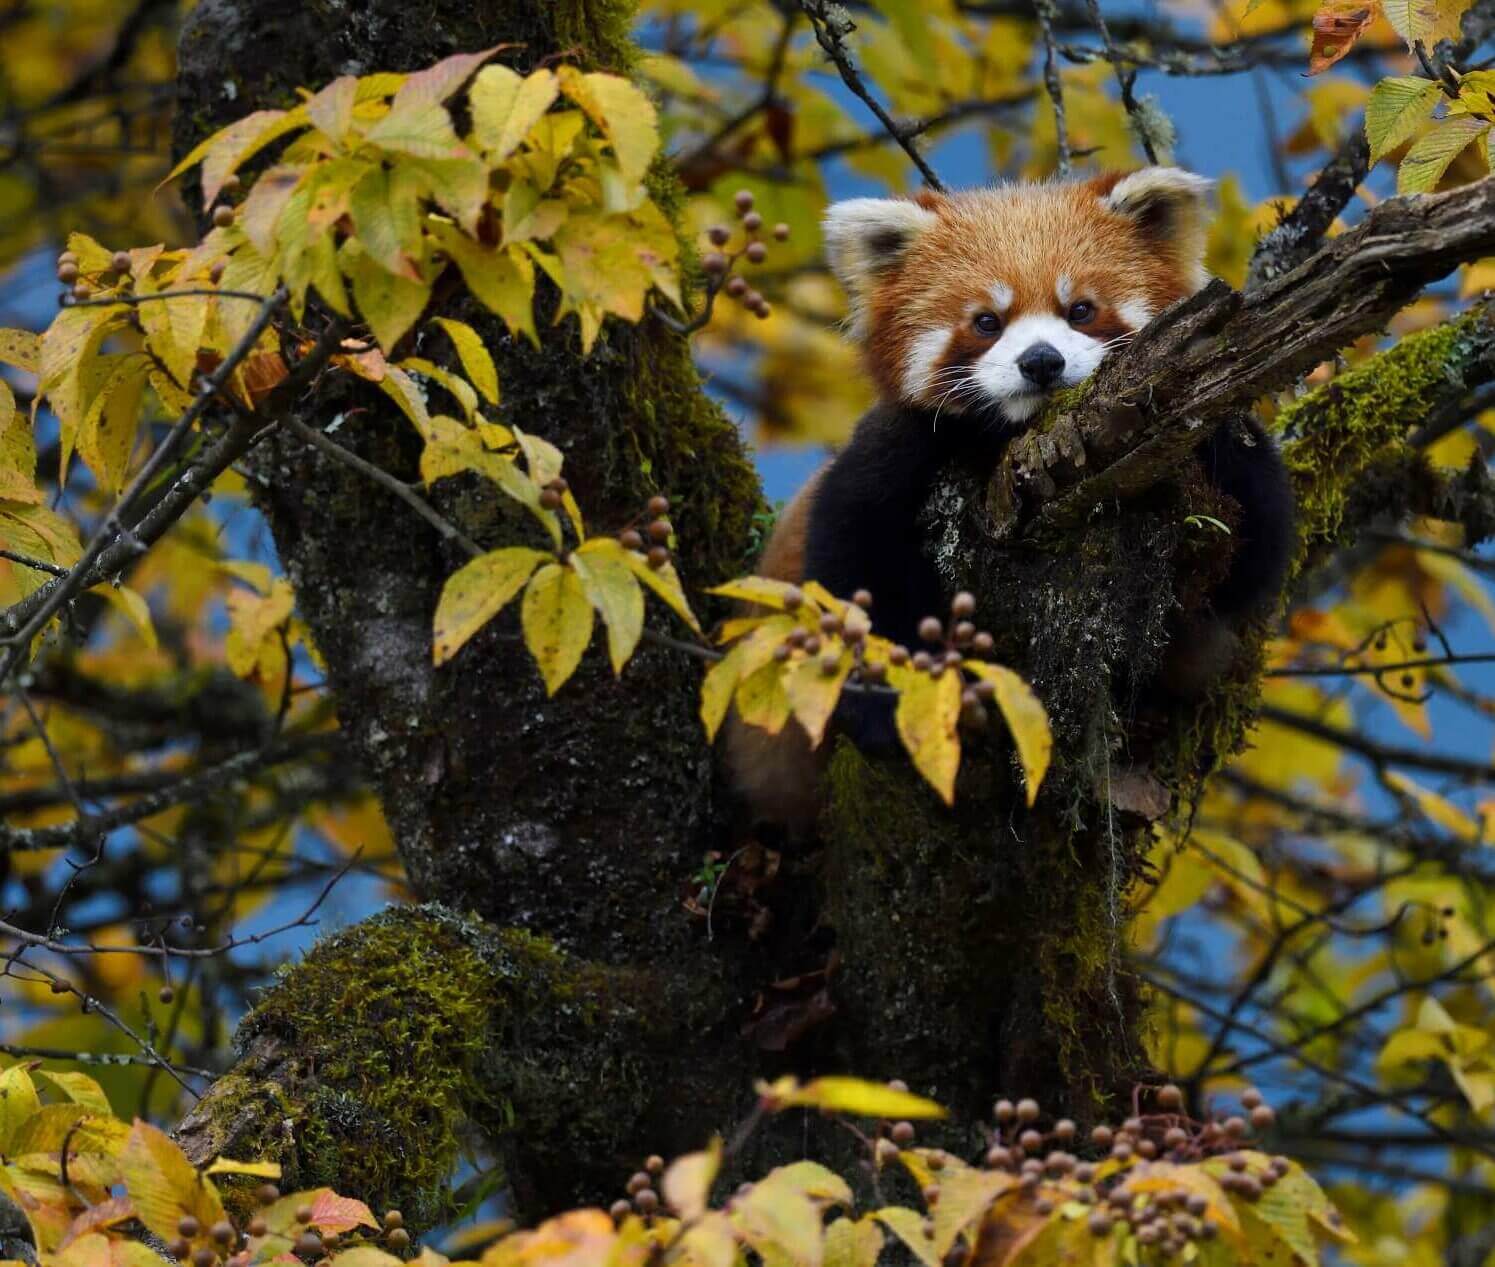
988, 323
1081, 313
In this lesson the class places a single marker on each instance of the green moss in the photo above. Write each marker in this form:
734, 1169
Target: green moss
1338, 430
601, 29
376, 1051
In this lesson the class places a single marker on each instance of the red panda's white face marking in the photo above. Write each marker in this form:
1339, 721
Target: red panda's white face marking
995, 297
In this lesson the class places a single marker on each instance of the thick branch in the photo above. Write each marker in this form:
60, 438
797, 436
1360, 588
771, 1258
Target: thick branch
1221, 351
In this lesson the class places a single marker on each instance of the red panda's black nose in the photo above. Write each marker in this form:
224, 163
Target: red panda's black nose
1041, 364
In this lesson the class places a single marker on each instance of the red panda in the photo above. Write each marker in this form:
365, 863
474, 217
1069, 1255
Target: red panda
970, 309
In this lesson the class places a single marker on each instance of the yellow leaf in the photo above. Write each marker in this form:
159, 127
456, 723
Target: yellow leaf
505, 107
926, 716
255, 1169
710, 1242
1436, 808
398, 386
853, 1244
420, 128
717, 689
965, 1195
390, 304
813, 693
79, 1089
18, 1101
856, 1095
252, 645
107, 435
758, 589
17, 452
261, 211
665, 582
1428, 159
477, 592
459, 388
780, 1223
22, 349
687, 1183
557, 619
1026, 718
503, 281
476, 361
908, 1226
614, 591
129, 604
1396, 109
623, 113
761, 700
331, 110
386, 218
1425, 20
163, 1185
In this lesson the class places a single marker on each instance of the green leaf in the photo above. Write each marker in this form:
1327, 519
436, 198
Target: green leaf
557, 619
420, 128
476, 361
386, 219
614, 591
505, 106
1435, 150
476, 593
1396, 110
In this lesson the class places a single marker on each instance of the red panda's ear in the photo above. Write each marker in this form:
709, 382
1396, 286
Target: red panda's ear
864, 240
1169, 206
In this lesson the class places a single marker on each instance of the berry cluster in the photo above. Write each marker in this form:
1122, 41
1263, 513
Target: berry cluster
851, 628
224, 1245
642, 1194
718, 263
553, 493
658, 531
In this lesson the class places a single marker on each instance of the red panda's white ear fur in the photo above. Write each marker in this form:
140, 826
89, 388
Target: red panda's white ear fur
864, 239
1171, 206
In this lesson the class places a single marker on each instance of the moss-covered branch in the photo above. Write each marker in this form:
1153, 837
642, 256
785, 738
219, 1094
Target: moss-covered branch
367, 1064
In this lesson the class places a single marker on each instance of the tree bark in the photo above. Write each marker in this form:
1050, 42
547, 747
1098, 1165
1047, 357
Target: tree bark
575, 1015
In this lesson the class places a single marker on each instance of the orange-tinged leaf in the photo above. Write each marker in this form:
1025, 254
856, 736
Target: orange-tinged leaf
436, 83
557, 620
927, 713
687, 1183
477, 592
1026, 718
163, 1184
104, 1214
1336, 29
331, 1213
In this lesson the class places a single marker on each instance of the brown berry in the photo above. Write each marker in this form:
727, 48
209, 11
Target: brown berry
1263, 1116
756, 252
166, 994
1027, 1110
204, 1257
886, 1151
121, 262
188, 1227
963, 605
258, 1226
1170, 1097
830, 663
67, 273
267, 1194
743, 200
81, 289
737, 287
658, 557
304, 1214
223, 215
714, 262
659, 531
793, 598
1235, 1127
1250, 1097
763, 310
309, 1245
222, 1232
629, 539
180, 1249
1100, 1224
983, 643
620, 1210
550, 499
781, 232
1175, 1137
398, 1239
637, 1183
752, 222
659, 505
902, 1133
1121, 1151
898, 656
1030, 1140
1101, 1137
931, 630
998, 1158
719, 234
781, 652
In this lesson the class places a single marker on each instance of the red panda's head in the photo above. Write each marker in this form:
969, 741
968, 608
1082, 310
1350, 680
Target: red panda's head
993, 297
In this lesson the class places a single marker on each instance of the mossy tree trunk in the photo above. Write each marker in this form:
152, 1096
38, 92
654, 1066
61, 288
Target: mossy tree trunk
556, 997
